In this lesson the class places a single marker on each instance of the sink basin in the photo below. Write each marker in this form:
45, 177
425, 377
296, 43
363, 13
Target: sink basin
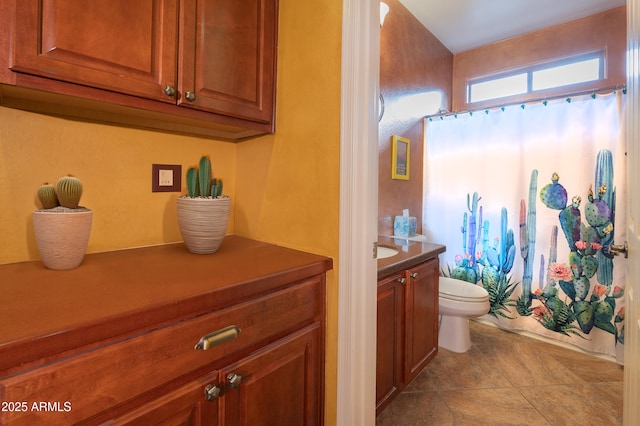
386, 251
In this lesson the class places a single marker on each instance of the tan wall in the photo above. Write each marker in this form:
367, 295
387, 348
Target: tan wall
606, 30
412, 60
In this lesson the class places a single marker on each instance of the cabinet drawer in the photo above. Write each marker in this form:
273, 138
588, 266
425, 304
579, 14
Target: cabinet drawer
85, 384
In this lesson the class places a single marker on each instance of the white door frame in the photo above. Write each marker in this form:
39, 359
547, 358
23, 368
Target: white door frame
357, 267
632, 288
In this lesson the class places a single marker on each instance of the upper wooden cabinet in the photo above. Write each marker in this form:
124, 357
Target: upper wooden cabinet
206, 64
227, 57
119, 45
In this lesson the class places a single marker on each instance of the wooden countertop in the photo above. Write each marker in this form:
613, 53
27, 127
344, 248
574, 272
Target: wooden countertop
47, 312
410, 254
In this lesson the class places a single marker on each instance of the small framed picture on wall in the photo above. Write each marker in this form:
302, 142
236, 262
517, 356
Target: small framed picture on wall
400, 148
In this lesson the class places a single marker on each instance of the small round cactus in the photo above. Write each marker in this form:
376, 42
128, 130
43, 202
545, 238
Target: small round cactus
47, 196
554, 195
69, 191
597, 212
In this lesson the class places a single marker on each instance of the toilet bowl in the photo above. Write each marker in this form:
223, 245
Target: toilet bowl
457, 302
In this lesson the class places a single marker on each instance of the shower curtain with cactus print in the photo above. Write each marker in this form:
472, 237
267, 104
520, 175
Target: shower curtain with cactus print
528, 199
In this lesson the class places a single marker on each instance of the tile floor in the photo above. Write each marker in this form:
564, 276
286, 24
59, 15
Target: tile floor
509, 379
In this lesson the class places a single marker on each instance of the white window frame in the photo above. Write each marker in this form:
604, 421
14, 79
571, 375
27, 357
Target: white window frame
530, 70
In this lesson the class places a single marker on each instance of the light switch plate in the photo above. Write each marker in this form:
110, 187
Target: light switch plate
166, 178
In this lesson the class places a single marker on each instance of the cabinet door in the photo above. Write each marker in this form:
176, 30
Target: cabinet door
119, 45
278, 385
389, 362
421, 311
183, 406
227, 57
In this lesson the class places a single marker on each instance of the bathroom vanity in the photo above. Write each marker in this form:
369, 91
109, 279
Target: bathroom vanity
407, 319
159, 335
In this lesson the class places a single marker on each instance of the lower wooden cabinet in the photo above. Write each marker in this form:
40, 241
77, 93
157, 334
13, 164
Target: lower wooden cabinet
421, 317
277, 385
407, 328
389, 364
183, 406
259, 361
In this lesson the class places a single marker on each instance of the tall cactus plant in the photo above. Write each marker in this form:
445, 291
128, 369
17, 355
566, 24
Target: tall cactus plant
472, 205
528, 237
553, 248
205, 176
200, 183
466, 267
604, 179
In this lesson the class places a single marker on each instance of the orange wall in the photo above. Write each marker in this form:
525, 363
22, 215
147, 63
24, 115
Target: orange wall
288, 184
284, 187
606, 30
412, 60
114, 164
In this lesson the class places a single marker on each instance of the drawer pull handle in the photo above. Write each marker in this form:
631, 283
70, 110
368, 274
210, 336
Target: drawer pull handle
402, 281
218, 337
414, 275
233, 380
211, 392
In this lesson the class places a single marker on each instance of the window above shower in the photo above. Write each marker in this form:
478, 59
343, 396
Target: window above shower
538, 78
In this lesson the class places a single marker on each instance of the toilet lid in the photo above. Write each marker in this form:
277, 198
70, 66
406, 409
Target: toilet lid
454, 289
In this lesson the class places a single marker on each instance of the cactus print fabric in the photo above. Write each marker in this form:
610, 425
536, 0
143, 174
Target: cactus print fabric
528, 200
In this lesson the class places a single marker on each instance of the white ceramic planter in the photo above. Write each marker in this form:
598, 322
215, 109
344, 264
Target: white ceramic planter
62, 237
203, 222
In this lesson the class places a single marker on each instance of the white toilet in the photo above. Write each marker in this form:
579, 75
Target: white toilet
459, 301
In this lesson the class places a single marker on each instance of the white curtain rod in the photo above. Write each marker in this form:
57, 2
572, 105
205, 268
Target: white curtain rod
568, 96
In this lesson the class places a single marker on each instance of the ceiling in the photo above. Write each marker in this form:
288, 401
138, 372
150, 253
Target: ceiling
465, 24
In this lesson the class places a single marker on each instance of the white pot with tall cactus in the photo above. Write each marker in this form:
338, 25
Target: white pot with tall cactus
62, 226
203, 214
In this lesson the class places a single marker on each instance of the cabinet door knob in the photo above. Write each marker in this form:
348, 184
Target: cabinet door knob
190, 96
402, 281
211, 392
414, 275
169, 90
217, 337
234, 380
